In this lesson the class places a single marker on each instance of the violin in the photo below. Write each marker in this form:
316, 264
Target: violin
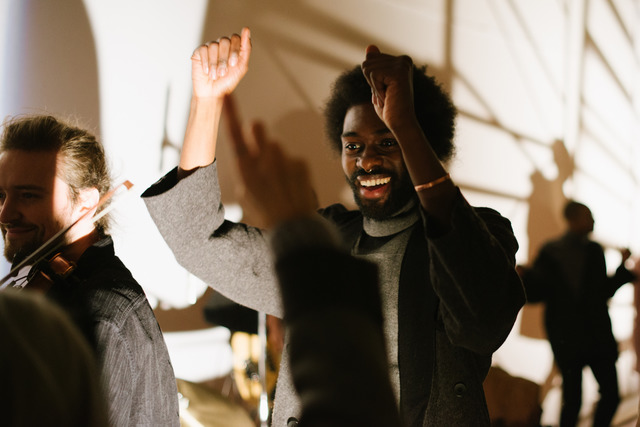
47, 272
48, 264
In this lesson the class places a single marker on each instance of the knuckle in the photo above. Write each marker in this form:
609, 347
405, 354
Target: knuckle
406, 59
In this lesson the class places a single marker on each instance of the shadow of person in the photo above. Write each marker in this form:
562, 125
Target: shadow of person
546, 202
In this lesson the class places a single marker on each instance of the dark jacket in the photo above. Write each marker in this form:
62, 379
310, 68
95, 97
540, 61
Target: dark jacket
443, 365
112, 310
570, 276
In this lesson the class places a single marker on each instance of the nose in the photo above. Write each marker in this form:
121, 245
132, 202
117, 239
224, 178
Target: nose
369, 159
8, 210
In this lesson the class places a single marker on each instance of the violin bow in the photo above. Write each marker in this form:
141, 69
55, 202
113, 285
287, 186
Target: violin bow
55, 241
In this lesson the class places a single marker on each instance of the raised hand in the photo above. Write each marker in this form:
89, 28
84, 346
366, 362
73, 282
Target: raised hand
276, 185
218, 66
216, 69
391, 81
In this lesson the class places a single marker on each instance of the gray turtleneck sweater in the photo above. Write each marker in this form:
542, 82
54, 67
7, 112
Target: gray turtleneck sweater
384, 242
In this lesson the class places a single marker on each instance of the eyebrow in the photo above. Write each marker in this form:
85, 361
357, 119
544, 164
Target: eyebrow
382, 131
30, 187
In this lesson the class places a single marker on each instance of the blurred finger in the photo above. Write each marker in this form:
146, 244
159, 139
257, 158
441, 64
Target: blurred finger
212, 59
234, 50
259, 136
245, 46
377, 89
300, 174
302, 195
224, 46
201, 54
371, 51
277, 155
268, 162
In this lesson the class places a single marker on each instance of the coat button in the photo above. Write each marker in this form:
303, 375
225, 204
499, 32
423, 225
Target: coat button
459, 389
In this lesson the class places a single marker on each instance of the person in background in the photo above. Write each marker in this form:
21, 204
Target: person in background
570, 276
49, 372
450, 293
52, 176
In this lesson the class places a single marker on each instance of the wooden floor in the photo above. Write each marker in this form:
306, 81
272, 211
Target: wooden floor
627, 413
626, 416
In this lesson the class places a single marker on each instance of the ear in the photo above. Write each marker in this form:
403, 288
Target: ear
87, 200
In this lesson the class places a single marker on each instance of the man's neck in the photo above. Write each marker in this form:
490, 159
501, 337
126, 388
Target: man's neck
74, 250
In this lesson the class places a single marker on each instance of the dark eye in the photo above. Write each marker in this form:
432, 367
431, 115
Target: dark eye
388, 142
28, 195
350, 146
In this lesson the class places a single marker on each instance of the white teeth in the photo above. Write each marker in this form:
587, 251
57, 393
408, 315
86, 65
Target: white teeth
374, 182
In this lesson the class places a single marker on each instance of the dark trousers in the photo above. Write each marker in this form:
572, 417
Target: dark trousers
605, 374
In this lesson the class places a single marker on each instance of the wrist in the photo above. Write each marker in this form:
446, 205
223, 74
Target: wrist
203, 109
403, 123
207, 100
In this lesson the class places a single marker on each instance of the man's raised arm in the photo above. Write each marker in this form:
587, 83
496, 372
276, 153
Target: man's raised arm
216, 69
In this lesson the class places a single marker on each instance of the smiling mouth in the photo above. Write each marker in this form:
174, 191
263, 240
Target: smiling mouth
17, 231
374, 182
373, 187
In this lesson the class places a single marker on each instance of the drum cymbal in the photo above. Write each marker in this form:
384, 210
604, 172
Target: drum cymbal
202, 406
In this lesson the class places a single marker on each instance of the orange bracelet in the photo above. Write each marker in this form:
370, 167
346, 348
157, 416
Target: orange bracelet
433, 183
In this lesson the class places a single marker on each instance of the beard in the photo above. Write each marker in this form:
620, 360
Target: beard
17, 252
400, 193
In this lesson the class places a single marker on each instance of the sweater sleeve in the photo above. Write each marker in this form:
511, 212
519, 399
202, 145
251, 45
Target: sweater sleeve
232, 258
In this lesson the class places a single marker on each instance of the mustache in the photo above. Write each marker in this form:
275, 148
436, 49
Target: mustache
375, 171
9, 225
